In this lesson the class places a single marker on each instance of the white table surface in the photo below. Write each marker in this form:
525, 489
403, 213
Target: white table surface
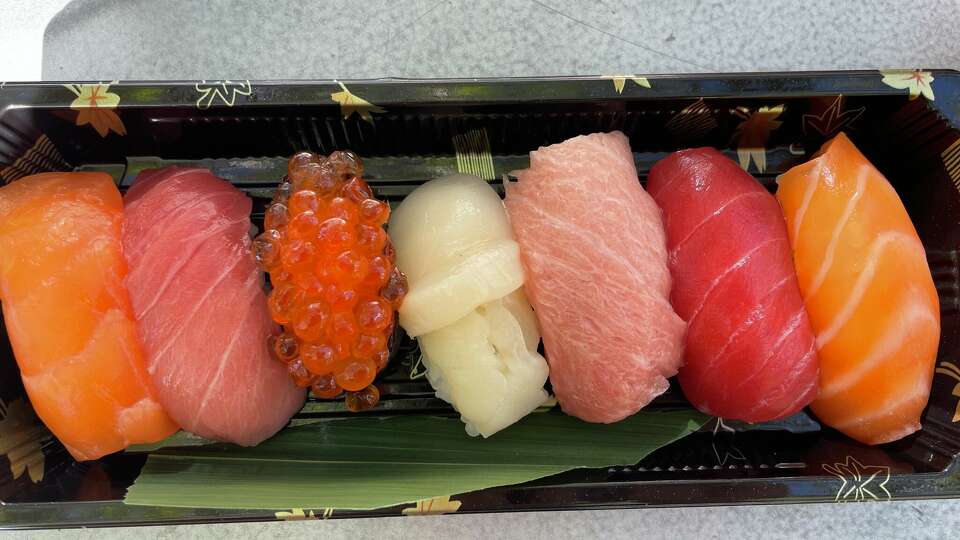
145, 39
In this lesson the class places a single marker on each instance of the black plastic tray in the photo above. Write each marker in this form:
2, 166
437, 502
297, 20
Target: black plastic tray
411, 131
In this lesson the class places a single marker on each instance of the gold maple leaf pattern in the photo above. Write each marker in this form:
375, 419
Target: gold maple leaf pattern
860, 481
951, 370
434, 506
351, 103
620, 81
22, 438
692, 122
915, 81
222, 91
95, 105
833, 120
298, 514
752, 134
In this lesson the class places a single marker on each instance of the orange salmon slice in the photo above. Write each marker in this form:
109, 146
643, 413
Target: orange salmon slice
864, 278
68, 314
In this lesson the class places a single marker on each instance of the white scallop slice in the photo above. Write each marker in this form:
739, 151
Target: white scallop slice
449, 293
456, 247
483, 365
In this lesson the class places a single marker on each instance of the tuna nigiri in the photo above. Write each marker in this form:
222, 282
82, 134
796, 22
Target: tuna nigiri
864, 277
69, 316
200, 307
750, 351
476, 330
594, 253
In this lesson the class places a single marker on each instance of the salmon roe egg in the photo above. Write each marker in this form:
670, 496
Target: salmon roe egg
371, 240
374, 212
356, 374
286, 347
357, 191
374, 315
344, 209
266, 248
306, 176
336, 285
325, 387
319, 358
309, 321
298, 255
300, 374
276, 217
349, 267
364, 399
334, 235
342, 327
378, 273
298, 160
367, 346
340, 298
303, 226
282, 299
302, 201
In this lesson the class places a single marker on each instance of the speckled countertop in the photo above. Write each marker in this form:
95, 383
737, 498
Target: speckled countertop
163, 39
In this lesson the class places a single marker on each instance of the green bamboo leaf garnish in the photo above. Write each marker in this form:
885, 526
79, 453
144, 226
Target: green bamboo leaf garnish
363, 463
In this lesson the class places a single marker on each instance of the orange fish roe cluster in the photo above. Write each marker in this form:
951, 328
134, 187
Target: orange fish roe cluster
335, 285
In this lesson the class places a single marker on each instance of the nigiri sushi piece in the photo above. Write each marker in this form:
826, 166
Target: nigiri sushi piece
477, 332
594, 253
868, 289
335, 285
201, 311
750, 352
68, 313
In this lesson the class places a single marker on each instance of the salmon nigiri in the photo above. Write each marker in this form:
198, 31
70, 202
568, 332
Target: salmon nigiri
68, 314
868, 290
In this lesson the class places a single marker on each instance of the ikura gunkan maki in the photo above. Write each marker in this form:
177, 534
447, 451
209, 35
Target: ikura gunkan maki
335, 284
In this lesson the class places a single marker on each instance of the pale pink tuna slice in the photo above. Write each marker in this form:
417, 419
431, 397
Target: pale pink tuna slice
594, 251
200, 307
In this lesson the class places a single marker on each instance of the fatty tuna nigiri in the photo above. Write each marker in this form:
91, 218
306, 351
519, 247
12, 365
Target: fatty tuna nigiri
201, 311
865, 280
595, 258
750, 351
68, 314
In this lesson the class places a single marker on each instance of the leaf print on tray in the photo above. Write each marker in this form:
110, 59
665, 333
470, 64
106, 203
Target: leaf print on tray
224, 92
832, 120
22, 439
753, 133
351, 103
951, 370
95, 105
433, 507
916, 82
860, 481
619, 81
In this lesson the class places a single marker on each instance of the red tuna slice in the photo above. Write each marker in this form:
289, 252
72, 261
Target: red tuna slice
594, 254
200, 307
750, 352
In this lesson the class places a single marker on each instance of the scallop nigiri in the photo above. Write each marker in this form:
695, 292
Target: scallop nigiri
868, 289
68, 313
466, 304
